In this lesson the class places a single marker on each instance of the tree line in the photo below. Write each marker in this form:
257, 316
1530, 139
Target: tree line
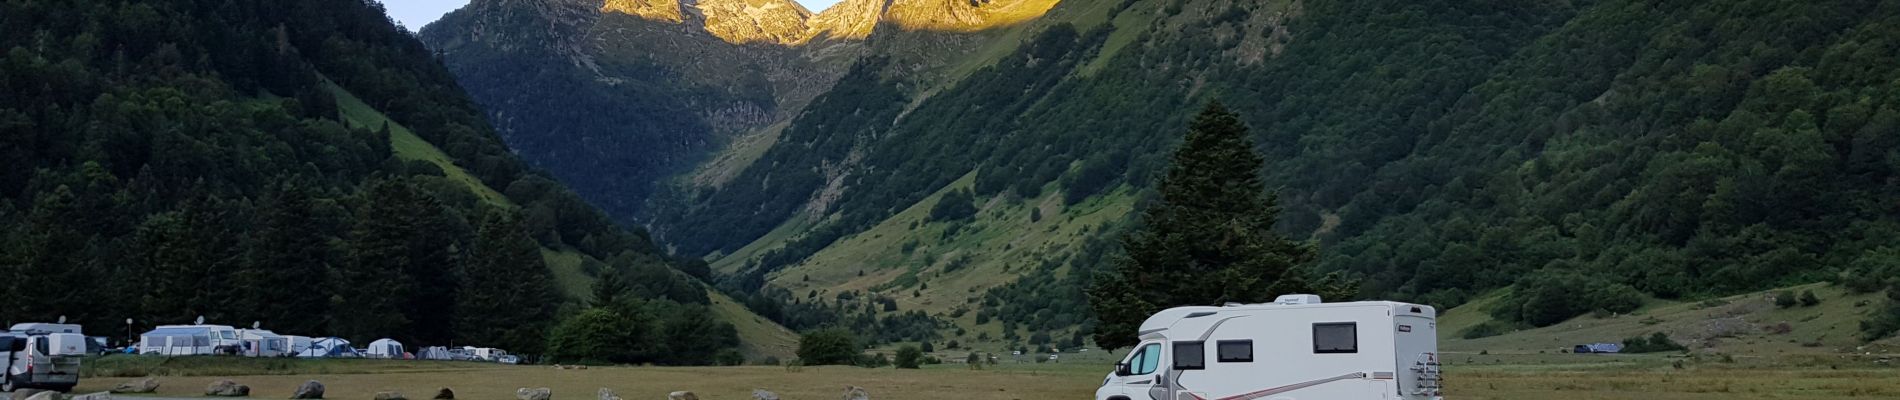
175, 159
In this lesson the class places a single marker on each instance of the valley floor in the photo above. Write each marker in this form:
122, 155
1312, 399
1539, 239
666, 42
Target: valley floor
1815, 376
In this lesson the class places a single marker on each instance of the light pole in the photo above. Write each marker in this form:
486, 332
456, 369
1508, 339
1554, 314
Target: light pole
128, 332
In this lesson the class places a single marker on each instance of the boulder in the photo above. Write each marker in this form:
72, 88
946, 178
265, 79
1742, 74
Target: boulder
762, 394
24, 393
94, 396
227, 388
308, 390
682, 395
390, 396
533, 393
444, 394
855, 393
44, 395
143, 385
607, 394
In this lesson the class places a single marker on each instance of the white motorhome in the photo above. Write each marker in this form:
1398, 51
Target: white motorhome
1296, 348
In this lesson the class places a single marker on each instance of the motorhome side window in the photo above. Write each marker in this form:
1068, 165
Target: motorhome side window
1336, 338
1234, 351
1190, 355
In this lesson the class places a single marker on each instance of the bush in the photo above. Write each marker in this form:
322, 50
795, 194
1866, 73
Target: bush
729, 357
828, 347
1808, 299
1487, 329
1785, 299
908, 357
876, 360
1552, 295
771, 360
598, 335
1655, 343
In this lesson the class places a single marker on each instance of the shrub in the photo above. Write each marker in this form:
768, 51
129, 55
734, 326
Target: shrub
1487, 329
1552, 295
1808, 299
828, 347
875, 360
1655, 343
729, 357
1785, 299
909, 356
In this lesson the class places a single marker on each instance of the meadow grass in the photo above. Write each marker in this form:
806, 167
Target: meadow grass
1487, 377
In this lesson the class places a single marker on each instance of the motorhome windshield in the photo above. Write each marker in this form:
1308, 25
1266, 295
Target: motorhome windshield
1146, 360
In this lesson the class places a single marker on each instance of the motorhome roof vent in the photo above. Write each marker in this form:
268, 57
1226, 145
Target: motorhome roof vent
1297, 299
1232, 304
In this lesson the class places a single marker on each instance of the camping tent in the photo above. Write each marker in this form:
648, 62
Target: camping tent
263, 343
188, 340
329, 347
437, 353
384, 348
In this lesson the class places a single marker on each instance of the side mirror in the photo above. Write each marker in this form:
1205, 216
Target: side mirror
12, 344
1122, 369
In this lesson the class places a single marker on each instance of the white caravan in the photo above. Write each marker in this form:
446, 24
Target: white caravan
191, 340
1296, 348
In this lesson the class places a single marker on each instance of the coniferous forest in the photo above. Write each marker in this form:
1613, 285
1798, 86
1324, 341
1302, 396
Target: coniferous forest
166, 160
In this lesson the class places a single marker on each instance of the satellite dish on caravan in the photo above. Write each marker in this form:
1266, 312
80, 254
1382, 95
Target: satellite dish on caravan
62, 319
201, 320
255, 324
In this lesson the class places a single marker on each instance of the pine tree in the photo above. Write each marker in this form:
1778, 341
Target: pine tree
372, 288
1209, 240
507, 291
285, 280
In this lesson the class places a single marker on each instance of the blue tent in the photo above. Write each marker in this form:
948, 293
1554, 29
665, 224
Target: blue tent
329, 347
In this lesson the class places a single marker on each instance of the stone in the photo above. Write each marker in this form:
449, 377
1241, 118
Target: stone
44, 395
762, 394
533, 393
227, 388
390, 396
143, 385
444, 394
94, 396
607, 394
308, 390
682, 395
24, 393
855, 393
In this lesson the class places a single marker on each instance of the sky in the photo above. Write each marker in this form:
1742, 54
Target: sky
415, 14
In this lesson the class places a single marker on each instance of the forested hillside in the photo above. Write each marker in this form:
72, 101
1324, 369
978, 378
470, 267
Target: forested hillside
1571, 157
306, 165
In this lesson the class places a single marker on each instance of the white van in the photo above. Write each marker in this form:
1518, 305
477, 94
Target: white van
1296, 348
44, 361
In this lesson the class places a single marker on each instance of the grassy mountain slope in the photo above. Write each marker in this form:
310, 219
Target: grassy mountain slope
1435, 150
406, 145
759, 337
1744, 324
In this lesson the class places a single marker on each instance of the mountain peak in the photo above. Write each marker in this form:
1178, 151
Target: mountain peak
734, 21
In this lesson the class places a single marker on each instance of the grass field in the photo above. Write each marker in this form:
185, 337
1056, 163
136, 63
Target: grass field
1468, 376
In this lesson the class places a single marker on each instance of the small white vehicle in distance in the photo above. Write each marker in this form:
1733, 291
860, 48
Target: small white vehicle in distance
1296, 348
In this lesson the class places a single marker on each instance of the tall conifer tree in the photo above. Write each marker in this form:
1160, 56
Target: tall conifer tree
1208, 241
507, 293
